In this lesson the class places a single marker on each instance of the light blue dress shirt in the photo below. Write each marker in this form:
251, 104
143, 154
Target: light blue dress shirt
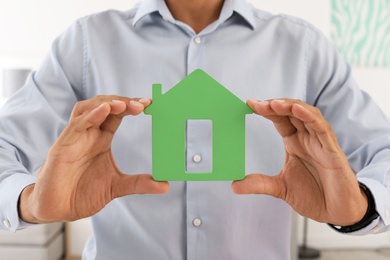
252, 53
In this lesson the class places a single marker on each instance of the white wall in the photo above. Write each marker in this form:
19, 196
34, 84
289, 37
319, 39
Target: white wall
27, 29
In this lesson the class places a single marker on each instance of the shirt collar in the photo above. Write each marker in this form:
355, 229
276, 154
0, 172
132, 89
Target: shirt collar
144, 8
239, 6
245, 10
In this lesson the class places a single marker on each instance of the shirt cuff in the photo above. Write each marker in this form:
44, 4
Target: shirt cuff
10, 190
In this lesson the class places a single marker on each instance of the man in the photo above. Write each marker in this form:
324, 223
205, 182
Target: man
77, 122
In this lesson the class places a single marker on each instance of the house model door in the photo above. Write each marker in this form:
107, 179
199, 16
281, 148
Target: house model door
199, 146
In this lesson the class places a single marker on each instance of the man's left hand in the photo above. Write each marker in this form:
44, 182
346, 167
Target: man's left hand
316, 179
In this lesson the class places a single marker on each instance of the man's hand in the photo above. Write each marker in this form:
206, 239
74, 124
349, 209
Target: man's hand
316, 179
79, 176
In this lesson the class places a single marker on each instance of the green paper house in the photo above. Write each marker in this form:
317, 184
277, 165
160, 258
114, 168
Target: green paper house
197, 102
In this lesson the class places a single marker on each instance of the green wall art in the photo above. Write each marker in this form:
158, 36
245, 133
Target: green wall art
361, 31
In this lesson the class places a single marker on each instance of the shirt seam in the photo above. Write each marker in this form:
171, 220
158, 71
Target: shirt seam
309, 29
308, 44
85, 58
261, 15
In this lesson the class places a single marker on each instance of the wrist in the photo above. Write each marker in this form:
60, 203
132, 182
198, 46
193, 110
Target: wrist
25, 205
369, 216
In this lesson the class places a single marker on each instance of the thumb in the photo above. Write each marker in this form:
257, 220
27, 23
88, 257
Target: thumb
138, 184
259, 184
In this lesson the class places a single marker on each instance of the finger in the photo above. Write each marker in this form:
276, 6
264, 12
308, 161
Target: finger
99, 115
119, 107
106, 115
85, 106
122, 106
145, 101
138, 184
316, 124
134, 107
311, 118
298, 124
95, 118
277, 112
260, 184
260, 107
274, 107
78, 125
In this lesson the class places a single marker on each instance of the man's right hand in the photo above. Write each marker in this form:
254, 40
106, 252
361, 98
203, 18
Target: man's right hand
79, 176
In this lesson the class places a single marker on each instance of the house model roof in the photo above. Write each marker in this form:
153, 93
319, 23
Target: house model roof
197, 95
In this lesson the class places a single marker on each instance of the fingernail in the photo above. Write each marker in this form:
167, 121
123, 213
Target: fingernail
135, 103
145, 101
263, 103
117, 101
280, 101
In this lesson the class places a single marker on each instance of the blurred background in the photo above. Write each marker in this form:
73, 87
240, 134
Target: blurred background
359, 28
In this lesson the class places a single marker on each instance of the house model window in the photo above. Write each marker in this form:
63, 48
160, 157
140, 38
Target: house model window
198, 131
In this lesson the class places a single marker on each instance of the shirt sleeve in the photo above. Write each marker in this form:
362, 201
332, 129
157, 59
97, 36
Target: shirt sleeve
33, 118
362, 128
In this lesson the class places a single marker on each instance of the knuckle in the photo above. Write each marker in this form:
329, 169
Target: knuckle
99, 97
78, 106
328, 126
317, 110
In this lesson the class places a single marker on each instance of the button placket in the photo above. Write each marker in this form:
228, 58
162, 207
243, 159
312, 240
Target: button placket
195, 205
196, 209
194, 53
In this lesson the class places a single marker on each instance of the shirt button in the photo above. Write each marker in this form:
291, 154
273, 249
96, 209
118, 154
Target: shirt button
197, 222
6, 223
197, 158
197, 40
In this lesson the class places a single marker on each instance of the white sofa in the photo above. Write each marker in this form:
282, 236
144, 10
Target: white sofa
41, 242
